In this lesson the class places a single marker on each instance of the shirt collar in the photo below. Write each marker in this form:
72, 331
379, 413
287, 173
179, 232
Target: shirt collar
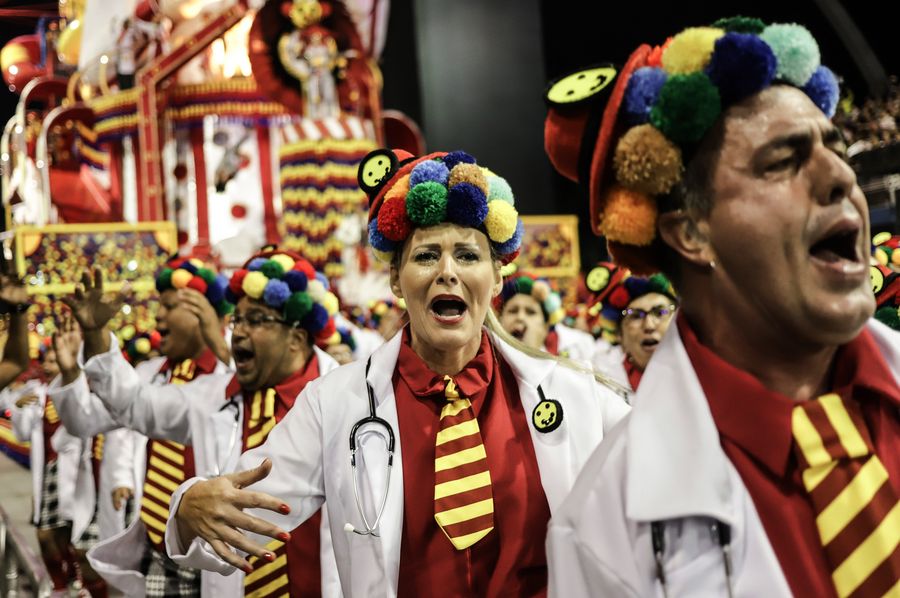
761, 425
288, 389
424, 383
204, 364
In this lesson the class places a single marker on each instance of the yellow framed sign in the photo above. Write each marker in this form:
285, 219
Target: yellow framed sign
550, 246
51, 260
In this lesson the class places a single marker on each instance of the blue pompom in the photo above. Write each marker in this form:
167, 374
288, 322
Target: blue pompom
295, 280
256, 263
216, 291
509, 289
466, 205
823, 89
276, 293
186, 265
514, 241
230, 297
742, 64
316, 319
429, 170
642, 93
611, 313
454, 158
377, 240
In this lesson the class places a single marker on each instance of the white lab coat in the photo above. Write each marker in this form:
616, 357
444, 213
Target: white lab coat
196, 413
574, 344
124, 465
666, 464
76, 495
311, 459
608, 359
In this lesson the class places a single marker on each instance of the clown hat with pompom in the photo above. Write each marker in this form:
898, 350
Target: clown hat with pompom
192, 273
626, 134
537, 288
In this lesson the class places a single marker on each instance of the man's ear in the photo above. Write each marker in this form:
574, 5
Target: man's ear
300, 336
395, 281
688, 237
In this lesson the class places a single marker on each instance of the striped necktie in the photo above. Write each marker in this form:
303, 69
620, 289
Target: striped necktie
857, 510
267, 579
165, 471
463, 500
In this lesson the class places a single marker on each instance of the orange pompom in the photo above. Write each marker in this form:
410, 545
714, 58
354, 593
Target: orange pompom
468, 173
399, 189
628, 217
646, 161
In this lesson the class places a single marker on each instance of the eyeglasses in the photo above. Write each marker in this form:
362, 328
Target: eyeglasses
254, 320
660, 312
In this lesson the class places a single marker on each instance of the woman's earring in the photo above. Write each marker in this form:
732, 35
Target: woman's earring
712, 264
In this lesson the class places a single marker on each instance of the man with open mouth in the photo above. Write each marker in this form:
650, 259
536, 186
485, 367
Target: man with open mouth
190, 322
761, 456
283, 314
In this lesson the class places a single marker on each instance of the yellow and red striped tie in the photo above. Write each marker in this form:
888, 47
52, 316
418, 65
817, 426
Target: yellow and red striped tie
165, 472
857, 509
267, 578
463, 499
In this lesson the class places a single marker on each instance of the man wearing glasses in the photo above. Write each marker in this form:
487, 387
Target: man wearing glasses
283, 313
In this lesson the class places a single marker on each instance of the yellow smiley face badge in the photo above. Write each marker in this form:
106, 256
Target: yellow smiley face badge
547, 415
580, 85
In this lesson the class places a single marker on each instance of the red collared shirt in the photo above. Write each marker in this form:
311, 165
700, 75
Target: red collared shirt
510, 560
633, 372
754, 426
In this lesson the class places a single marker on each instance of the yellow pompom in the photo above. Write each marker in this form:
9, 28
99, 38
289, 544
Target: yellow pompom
487, 172
895, 257
127, 333
254, 284
468, 173
508, 270
316, 290
690, 50
540, 290
380, 309
556, 317
628, 217
334, 339
330, 303
646, 161
384, 257
181, 278
285, 261
500, 221
398, 189
881, 238
196, 263
142, 346
401, 303
880, 257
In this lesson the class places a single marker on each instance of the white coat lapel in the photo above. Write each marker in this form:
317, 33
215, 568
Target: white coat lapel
673, 446
373, 455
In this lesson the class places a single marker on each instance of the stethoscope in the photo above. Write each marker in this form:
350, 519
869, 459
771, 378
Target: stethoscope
371, 529
722, 534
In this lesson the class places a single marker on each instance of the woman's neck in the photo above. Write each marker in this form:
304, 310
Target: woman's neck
446, 362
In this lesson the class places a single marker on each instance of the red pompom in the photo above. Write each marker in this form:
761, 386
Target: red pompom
238, 211
155, 339
301, 265
393, 222
198, 284
328, 331
237, 279
619, 298
510, 257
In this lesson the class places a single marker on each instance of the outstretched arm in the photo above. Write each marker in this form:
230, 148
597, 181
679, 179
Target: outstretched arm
93, 308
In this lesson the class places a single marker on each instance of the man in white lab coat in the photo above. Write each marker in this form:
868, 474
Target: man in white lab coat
761, 456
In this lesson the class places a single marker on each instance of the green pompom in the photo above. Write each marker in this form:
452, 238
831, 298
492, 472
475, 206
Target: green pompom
207, 275
426, 203
889, 316
741, 25
224, 308
297, 306
796, 51
524, 285
164, 280
272, 270
687, 107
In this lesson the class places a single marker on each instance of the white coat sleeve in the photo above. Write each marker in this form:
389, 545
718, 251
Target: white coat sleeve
118, 458
295, 448
82, 413
614, 407
24, 419
155, 410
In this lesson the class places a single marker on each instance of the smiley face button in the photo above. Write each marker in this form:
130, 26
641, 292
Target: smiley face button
597, 279
547, 415
877, 277
581, 85
375, 168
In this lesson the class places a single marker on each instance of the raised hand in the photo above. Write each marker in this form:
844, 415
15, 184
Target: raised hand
66, 342
90, 305
210, 325
12, 289
213, 510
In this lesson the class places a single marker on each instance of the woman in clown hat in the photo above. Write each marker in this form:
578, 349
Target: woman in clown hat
443, 456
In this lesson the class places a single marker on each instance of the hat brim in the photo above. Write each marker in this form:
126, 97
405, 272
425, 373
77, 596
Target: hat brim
405, 168
607, 133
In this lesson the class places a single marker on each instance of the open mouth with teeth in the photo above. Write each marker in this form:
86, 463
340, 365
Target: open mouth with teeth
649, 344
839, 246
519, 332
448, 309
242, 357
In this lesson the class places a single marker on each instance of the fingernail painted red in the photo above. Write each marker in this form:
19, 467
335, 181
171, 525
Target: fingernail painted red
284, 509
248, 569
284, 536
269, 556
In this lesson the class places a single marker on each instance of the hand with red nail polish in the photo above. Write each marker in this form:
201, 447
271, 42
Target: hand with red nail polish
214, 511
284, 537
